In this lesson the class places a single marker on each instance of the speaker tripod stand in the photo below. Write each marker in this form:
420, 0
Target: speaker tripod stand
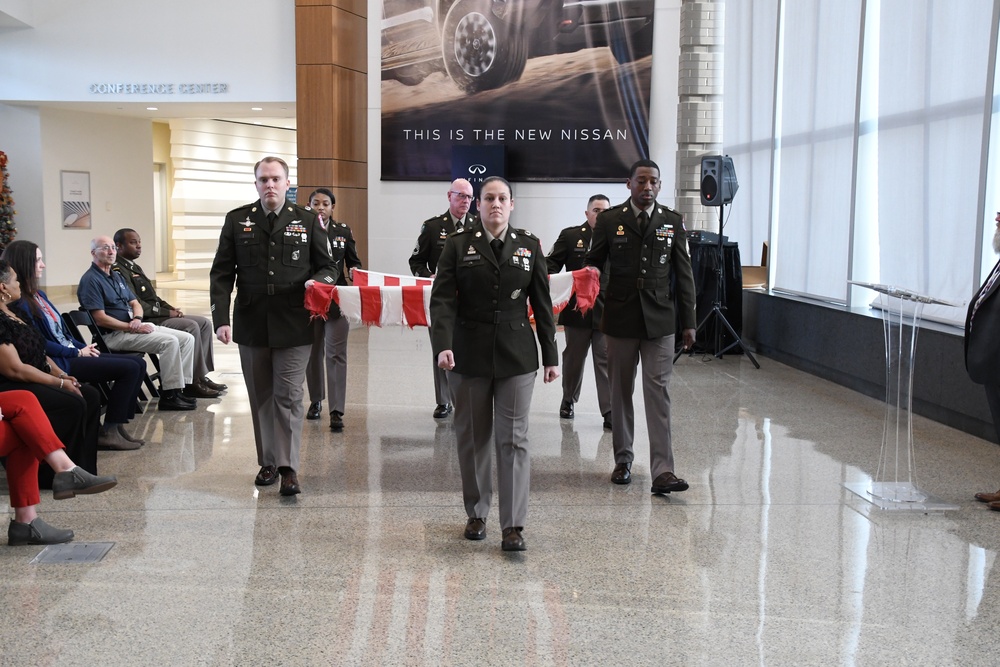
717, 313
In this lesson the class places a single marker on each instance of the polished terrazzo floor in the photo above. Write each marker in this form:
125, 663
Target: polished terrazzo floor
766, 560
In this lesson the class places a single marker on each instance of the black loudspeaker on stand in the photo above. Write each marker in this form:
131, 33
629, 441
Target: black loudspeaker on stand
718, 187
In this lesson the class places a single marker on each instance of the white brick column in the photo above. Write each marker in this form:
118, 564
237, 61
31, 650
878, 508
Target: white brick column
699, 112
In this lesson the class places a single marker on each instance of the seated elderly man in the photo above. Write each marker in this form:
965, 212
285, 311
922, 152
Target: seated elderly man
119, 316
158, 311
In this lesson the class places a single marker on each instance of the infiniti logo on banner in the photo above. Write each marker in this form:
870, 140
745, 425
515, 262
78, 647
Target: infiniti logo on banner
477, 169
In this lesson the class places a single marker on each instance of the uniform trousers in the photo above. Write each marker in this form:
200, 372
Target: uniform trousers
657, 356
274, 378
75, 420
174, 348
578, 341
26, 437
443, 393
124, 371
488, 407
329, 352
204, 336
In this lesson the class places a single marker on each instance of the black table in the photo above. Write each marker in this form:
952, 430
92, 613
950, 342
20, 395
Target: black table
704, 264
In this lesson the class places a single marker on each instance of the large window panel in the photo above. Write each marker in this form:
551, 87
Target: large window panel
750, 43
815, 144
932, 71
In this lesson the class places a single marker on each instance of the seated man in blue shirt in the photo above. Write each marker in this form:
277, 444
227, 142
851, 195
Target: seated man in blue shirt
118, 313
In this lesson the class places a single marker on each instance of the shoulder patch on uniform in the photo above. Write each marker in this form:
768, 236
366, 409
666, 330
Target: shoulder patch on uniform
525, 232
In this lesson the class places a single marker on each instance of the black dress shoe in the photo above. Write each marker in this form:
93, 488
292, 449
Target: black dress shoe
668, 482
513, 540
174, 401
289, 482
198, 390
442, 410
607, 422
267, 476
315, 410
217, 386
622, 474
566, 410
336, 422
475, 529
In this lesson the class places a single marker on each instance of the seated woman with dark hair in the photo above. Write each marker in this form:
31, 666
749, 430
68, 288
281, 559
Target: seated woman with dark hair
26, 437
84, 362
74, 410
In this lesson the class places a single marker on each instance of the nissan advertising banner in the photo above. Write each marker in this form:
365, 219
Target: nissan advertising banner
562, 86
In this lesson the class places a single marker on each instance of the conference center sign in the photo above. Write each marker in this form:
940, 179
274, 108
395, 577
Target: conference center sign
566, 92
158, 88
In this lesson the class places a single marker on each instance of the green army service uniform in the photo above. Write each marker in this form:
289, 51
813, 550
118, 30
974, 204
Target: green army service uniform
639, 319
423, 263
269, 261
479, 310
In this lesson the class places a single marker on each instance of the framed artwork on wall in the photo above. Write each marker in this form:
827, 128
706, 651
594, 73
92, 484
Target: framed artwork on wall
75, 188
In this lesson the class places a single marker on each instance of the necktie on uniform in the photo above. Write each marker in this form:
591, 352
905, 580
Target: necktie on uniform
643, 219
497, 246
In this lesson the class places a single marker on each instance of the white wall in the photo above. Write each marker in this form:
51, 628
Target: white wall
21, 140
213, 174
396, 209
74, 44
118, 153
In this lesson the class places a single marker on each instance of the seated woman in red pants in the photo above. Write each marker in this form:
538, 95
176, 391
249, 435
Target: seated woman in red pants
26, 437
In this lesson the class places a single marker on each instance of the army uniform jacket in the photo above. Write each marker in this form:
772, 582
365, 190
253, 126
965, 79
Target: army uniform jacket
430, 242
154, 309
570, 250
641, 268
269, 267
479, 306
342, 242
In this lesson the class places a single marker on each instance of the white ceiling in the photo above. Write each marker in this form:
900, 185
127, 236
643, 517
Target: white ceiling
271, 114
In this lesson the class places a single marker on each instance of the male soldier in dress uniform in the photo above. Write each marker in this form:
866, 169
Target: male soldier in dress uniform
644, 245
423, 263
481, 333
274, 250
580, 329
158, 311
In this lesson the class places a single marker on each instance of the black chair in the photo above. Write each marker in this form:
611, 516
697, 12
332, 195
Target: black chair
81, 318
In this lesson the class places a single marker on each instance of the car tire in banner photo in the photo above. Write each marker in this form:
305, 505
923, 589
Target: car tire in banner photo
564, 86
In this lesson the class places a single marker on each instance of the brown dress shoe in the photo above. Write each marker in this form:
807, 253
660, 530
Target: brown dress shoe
995, 506
267, 476
289, 482
668, 482
622, 474
985, 497
217, 386
198, 390
475, 529
513, 540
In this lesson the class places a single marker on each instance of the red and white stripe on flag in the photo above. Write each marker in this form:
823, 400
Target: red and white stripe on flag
382, 299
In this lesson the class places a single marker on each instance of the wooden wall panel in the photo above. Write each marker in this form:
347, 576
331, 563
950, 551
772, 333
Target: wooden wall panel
331, 35
359, 7
332, 114
332, 106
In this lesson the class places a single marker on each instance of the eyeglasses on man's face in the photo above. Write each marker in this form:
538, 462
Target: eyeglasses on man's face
104, 248
461, 195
